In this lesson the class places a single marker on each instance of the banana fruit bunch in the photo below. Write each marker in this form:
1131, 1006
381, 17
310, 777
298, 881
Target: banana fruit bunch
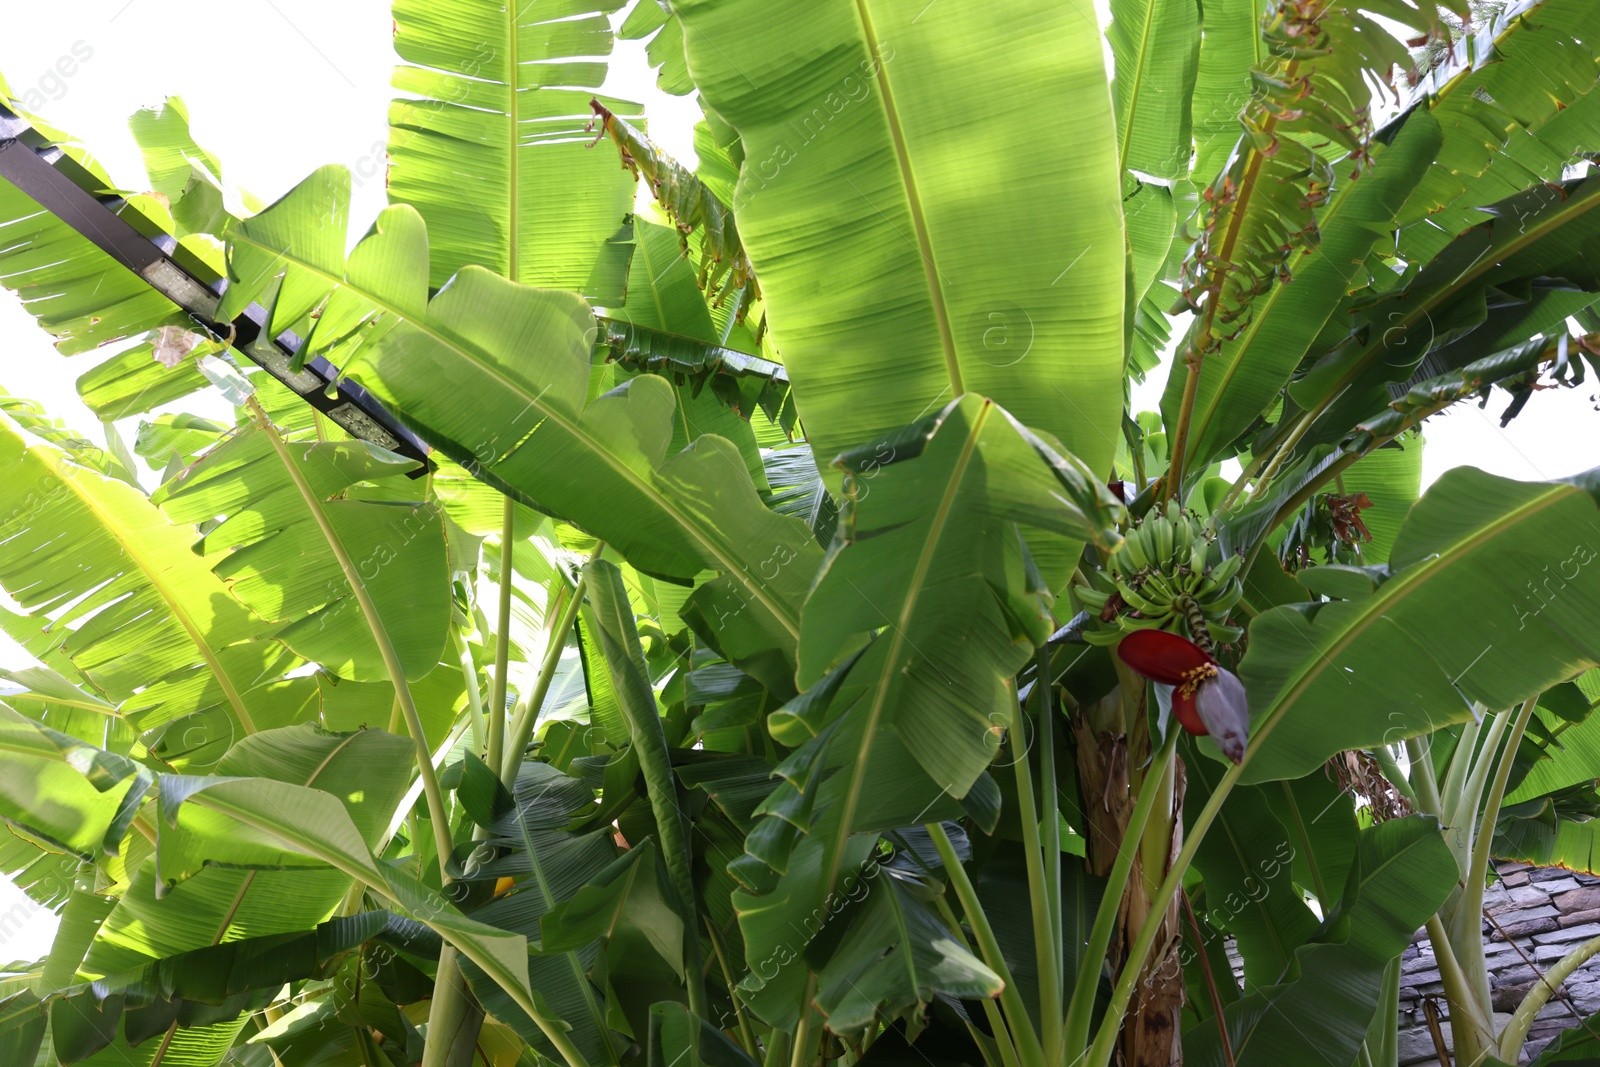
1163, 578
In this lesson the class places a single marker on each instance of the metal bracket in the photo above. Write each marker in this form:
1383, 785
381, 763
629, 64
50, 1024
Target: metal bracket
69, 192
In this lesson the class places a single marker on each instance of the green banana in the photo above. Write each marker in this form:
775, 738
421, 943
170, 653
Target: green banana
1161, 565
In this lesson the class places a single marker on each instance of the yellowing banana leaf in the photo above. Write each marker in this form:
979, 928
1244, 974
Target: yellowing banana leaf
142, 607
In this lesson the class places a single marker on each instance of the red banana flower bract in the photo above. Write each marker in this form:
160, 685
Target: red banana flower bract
1206, 698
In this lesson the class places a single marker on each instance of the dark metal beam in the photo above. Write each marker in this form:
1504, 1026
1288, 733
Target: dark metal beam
70, 193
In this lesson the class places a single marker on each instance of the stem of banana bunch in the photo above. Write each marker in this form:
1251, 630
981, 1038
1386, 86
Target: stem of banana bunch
1081, 1008
452, 1003
1106, 1038
1284, 450
1197, 351
527, 716
1272, 466
1029, 1049
1246, 476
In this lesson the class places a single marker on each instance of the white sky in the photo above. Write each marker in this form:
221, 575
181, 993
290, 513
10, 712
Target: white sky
276, 88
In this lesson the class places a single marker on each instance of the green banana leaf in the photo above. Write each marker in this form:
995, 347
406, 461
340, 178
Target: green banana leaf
151, 921
1515, 113
31, 416
146, 609
1403, 871
1392, 479
523, 423
1230, 47
892, 729
93, 795
1251, 366
1323, 830
1247, 861
79, 294
212, 982
1001, 879
1379, 668
630, 681
897, 958
183, 172
501, 92
552, 870
655, 24
1523, 269
664, 296
879, 171
925, 556
1155, 45
22, 1027
276, 560
679, 1038
261, 822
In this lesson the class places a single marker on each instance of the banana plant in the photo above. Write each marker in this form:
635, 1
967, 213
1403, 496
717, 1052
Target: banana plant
796, 649
1497, 782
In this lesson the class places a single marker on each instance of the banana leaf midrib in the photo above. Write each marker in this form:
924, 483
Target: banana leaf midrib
513, 10
907, 607
1136, 77
919, 221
